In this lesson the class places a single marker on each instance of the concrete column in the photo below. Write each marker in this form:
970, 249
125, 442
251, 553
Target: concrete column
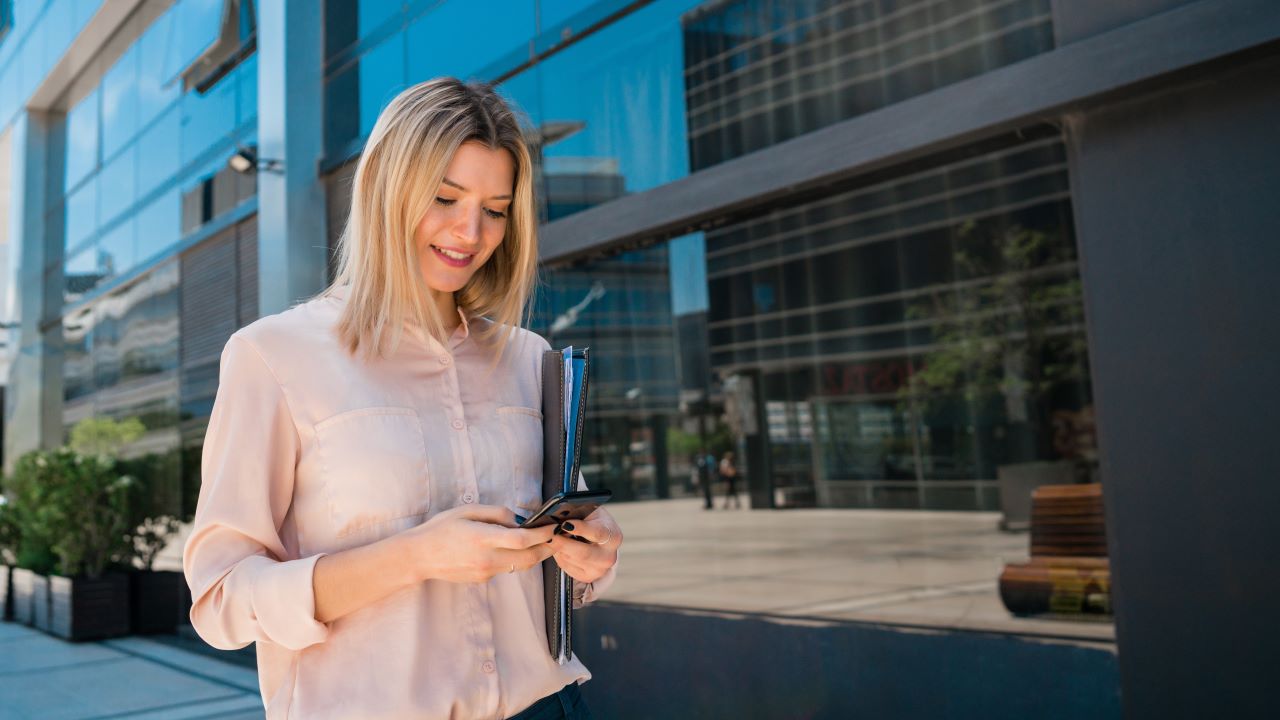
33, 401
291, 209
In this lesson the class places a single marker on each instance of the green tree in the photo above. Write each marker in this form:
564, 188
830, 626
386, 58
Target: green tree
1012, 325
105, 436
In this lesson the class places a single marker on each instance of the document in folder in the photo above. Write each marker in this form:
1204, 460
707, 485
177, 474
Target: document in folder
564, 393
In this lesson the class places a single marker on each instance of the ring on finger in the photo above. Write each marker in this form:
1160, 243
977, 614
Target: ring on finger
513, 569
607, 539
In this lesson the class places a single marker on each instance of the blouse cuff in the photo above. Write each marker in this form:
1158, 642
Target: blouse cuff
285, 602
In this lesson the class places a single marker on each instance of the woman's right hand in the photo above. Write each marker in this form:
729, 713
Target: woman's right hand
472, 543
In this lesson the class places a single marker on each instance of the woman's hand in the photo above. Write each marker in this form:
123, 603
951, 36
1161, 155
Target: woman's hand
472, 543
587, 561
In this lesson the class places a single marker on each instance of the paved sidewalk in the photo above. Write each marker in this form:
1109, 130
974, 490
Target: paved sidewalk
135, 677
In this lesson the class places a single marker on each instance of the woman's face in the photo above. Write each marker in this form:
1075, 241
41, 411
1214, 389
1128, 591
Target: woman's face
467, 219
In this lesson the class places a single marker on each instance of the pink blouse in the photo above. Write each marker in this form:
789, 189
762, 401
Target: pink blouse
310, 451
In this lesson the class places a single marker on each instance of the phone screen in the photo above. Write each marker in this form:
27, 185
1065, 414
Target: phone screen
566, 506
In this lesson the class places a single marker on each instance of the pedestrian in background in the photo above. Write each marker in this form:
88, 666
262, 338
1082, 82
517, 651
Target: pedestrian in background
729, 472
706, 467
368, 449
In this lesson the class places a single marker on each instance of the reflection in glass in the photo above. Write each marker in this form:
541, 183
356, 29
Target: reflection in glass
208, 118
839, 303
751, 83
120, 102
116, 249
82, 139
159, 225
436, 47
621, 308
82, 214
117, 185
381, 78
158, 151
610, 110
155, 92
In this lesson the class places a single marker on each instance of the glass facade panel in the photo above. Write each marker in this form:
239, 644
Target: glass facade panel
159, 225
120, 103
82, 214
196, 24
207, 119
82, 139
381, 78
758, 73
593, 100
117, 185
437, 48
158, 156
156, 92
116, 252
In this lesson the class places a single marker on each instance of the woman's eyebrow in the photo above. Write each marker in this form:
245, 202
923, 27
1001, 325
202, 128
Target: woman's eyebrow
451, 183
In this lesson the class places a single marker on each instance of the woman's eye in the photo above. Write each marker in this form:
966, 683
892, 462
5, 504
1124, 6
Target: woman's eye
495, 214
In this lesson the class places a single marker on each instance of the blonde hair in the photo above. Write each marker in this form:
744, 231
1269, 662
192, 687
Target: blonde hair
396, 179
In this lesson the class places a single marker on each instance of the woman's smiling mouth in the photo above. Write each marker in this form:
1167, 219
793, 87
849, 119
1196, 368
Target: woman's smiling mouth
453, 258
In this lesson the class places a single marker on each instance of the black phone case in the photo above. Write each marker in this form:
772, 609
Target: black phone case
557, 586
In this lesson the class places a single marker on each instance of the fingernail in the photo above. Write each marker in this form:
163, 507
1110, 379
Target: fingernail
568, 526
549, 541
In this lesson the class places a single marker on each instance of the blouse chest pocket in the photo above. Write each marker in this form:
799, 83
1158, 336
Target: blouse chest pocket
374, 467
522, 431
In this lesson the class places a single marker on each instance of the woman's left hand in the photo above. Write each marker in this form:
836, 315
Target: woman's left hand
587, 561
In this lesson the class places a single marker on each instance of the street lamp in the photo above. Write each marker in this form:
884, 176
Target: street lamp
246, 160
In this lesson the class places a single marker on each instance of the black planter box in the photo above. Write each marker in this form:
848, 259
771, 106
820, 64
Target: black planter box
23, 584
40, 603
6, 595
85, 609
157, 601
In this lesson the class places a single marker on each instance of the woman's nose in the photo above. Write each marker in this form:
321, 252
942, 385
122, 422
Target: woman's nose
467, 227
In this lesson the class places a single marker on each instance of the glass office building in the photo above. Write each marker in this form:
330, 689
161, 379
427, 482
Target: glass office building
788, 328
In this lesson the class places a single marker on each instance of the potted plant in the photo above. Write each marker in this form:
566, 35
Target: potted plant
30, 540
156, 596
1010, 332
84, 512
8, 549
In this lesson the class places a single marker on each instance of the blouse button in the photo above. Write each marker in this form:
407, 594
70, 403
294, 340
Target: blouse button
444, 359
458, 424
487, 666
468, 498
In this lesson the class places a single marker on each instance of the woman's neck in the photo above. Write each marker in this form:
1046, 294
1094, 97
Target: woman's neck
448, 309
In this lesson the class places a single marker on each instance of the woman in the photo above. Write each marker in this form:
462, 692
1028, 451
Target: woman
368, 449
729, 471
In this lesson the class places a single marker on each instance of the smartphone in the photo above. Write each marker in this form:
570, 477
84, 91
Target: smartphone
566, 506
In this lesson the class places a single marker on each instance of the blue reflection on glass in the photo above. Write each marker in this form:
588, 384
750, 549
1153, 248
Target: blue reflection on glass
159, 225
82, 139
82, 213
116, 249
117, 185
120, 103
438, 47
381, 78
688, 274
158, 156
371, 14
247, 83
156, 91
196, 25
612, 110
554, 12
207, 119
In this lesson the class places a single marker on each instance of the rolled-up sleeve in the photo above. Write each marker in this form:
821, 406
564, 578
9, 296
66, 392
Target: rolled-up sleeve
593, 590
244, 585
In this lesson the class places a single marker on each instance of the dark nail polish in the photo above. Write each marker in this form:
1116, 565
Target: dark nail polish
568, 526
